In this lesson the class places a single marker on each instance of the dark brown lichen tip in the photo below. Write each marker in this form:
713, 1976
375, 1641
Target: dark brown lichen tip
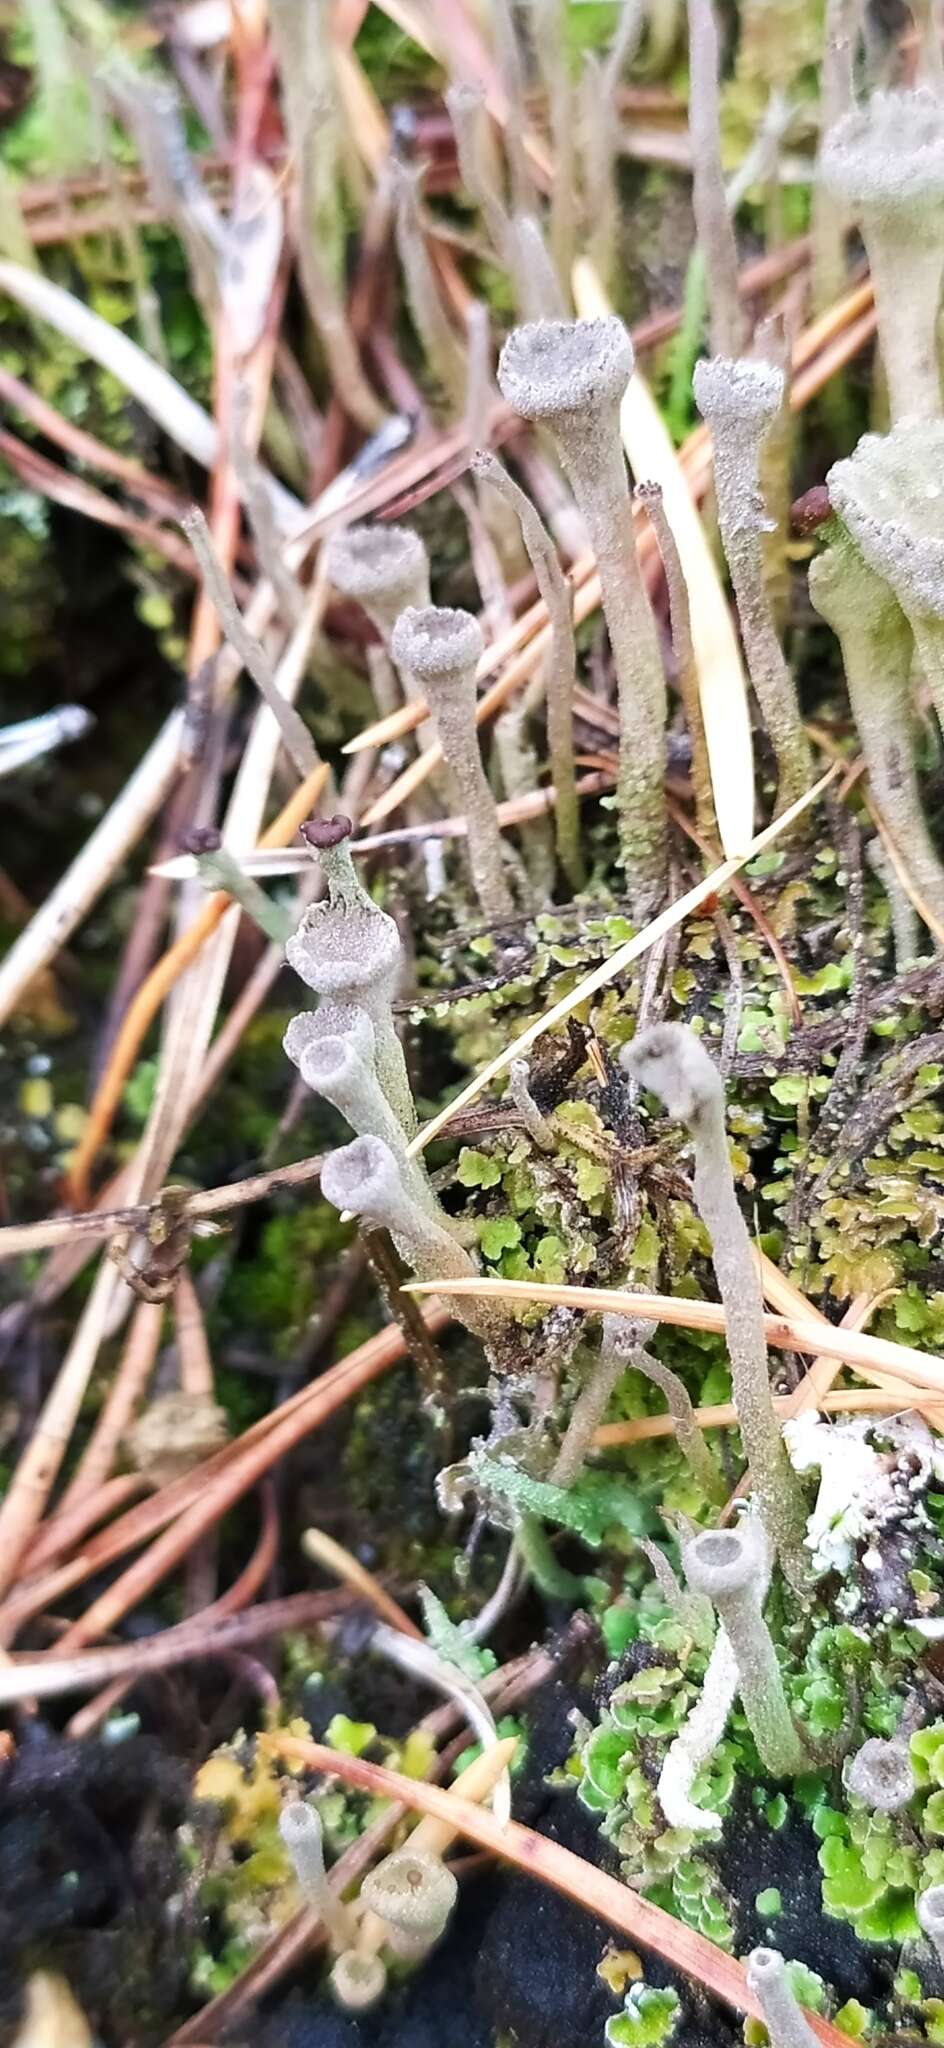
324, 832
370, 561
550, 368
810, 511
434, 641
201, 839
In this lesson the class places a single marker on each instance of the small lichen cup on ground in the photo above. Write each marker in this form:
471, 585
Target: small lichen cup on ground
414, 1893
740, 401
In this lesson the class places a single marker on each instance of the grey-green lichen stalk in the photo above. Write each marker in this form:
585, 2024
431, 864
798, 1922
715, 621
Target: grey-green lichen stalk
669, 1060
439, 650
877, 652
348, 950
623, 1349
783, 2016
571, 376
561, 665
729, 1566
885, 160
740, 401
890, 495
366, 1178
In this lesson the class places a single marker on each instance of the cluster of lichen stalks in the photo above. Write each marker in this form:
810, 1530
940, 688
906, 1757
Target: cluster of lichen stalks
880, 585
403, 1906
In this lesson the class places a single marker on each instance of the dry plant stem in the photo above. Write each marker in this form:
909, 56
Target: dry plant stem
38, 1467
619, 1348
478, 163
557, 598
552, 1864
295, 735
828, 214
189, 1642
598, 130
571, 375
739, 401
332, 326
155, 989
439, 651
786, 2024
538, 288
195, 1362
265, 527
539, 1130
877, 652
332, 1557
132, 1373
856, 1400
433, 326
79, 887
905, 922
198, 1502
729, 1567
548, 33
680, 619
515, 124
95, 1223
715, 233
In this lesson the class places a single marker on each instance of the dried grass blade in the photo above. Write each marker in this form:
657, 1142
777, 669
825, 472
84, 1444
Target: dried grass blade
92, 869
791, 1333
162, 397
38, 1468
623, 957
721, 680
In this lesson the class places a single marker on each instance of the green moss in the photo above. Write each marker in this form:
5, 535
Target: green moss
648, 2019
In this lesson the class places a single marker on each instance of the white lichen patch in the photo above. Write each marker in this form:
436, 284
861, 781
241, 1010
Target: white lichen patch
863, 1485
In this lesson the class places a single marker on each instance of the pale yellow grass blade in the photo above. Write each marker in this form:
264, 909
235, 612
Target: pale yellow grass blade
623, 957
721, 683
787, 1333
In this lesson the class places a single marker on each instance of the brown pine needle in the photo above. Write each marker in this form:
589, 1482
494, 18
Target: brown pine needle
186, 1509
